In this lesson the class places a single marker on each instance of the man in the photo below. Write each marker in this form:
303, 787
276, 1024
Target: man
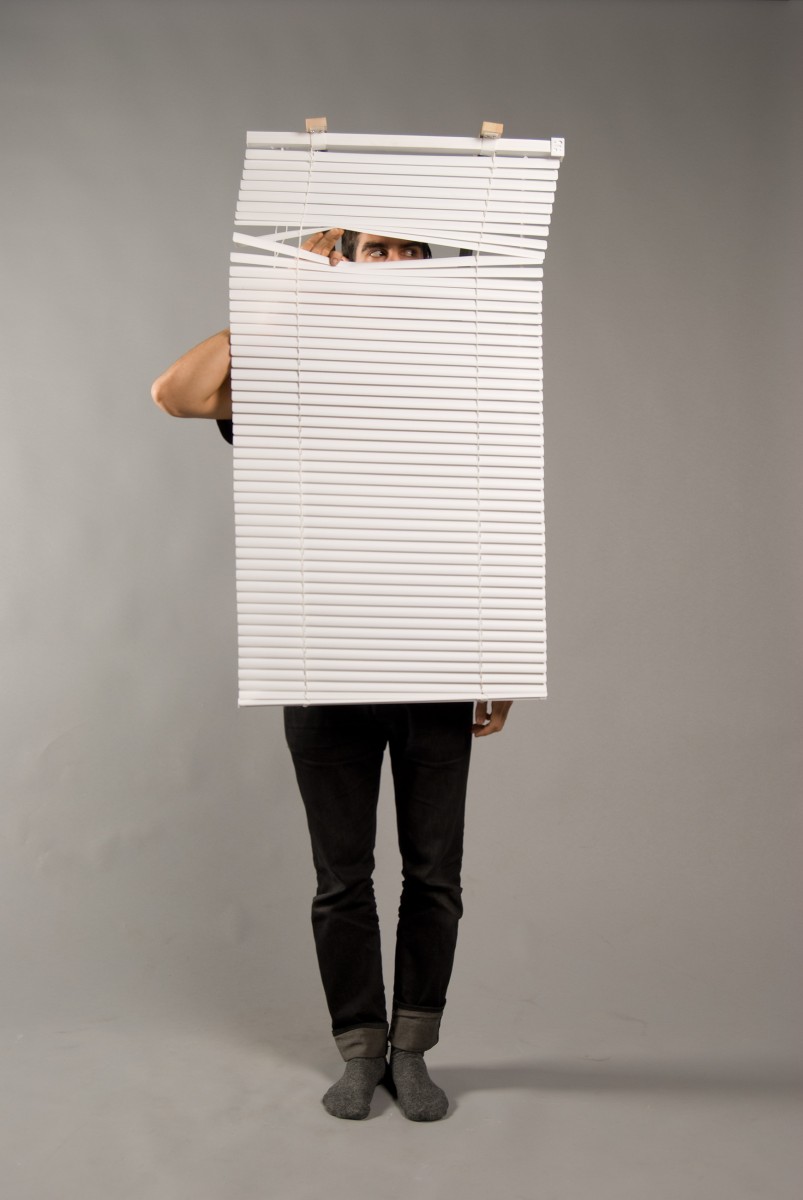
337, 752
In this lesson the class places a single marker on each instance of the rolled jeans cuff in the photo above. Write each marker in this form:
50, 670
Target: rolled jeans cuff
366, 1041
412, 1029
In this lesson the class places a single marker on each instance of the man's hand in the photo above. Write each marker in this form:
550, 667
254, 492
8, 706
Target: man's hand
324, 243
485, 722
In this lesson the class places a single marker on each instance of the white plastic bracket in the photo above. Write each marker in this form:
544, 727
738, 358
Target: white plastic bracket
557, 147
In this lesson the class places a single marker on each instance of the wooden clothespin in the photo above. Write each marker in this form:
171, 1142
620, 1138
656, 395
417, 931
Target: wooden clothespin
316, 128
489, 135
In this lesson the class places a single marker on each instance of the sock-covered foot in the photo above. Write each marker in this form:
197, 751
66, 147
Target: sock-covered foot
350, 1097
418, 1097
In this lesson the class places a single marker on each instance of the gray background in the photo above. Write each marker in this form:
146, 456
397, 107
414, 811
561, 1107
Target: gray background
632, 880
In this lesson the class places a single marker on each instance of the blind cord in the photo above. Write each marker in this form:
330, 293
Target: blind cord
302, 529
480, 597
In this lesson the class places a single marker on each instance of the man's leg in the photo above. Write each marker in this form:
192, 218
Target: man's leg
337, 753
430, 750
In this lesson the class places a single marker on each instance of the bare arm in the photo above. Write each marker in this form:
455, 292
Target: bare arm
490, 722
199, 383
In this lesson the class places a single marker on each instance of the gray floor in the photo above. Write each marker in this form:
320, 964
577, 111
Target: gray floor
119, 1110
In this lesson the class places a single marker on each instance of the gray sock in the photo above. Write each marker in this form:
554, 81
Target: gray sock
418, 1097
350, 1097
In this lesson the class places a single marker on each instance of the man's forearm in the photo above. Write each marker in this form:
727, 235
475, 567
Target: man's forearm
199, 383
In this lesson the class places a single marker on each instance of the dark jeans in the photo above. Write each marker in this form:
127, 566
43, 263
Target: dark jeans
337, 753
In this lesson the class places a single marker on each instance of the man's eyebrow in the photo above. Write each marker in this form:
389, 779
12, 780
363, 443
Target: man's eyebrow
381, 243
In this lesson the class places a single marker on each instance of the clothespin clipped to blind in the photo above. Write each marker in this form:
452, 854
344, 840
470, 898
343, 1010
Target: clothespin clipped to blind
316, 128
489, 133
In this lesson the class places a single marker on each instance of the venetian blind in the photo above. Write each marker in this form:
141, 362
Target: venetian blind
388, 442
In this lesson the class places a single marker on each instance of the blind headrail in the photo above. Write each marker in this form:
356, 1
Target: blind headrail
543, 147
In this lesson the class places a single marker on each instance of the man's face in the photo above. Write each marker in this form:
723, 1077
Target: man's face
372, 247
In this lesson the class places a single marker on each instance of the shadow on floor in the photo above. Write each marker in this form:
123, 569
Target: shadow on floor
650, 1076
